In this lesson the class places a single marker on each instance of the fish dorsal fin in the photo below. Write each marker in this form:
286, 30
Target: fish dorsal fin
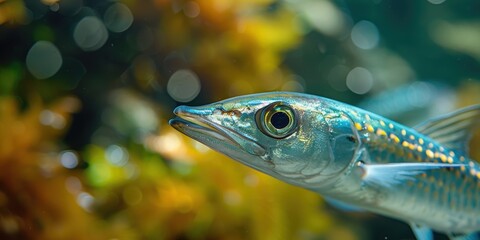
453, 130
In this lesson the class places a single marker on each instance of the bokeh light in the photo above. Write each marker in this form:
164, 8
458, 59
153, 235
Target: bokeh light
69, 159
43, 59
359, 80
73, 185
116, 155
49, 118
118, 17
183, 85
365, 35
191, 9
90, 33
86, 201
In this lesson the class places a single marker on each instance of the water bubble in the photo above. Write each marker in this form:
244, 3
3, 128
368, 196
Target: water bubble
359, 80
365, 35
90, 33
69, 159
52, 119
54, 7
118, 17
47, 117
191, 9
85, 200
116, 155
43, 60
183, 85
73, 185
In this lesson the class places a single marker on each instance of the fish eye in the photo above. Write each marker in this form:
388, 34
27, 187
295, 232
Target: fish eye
277, 120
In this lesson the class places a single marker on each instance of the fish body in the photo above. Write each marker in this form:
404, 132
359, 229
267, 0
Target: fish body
420, 175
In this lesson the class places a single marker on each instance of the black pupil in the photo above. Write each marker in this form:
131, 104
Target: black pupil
280, 120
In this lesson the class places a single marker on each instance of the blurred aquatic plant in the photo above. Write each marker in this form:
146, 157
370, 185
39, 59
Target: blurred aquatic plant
34, 202
12, 12
244, 41
458, 36
468, 94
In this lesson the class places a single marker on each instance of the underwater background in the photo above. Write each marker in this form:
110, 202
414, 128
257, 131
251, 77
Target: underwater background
87, 88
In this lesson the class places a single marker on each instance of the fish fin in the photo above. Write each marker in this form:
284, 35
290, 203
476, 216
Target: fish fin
470, 236
453, 130
421, 232
390, 174
343, 206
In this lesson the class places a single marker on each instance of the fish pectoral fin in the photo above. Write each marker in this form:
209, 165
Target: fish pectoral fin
421, 232
453, 130
391, 174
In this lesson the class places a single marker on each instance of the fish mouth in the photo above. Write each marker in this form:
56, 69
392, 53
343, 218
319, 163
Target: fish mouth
194, 123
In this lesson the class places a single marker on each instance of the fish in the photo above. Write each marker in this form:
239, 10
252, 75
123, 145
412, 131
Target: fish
422, 176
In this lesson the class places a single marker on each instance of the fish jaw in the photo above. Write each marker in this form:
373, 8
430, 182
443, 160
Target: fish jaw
197, 123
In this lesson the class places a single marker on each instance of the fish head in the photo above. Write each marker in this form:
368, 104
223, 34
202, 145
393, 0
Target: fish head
285, 135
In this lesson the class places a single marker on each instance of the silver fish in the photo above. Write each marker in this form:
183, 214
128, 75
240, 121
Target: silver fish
422, 176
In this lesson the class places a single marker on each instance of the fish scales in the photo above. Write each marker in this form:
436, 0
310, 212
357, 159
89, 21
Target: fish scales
463, 184
355, 158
